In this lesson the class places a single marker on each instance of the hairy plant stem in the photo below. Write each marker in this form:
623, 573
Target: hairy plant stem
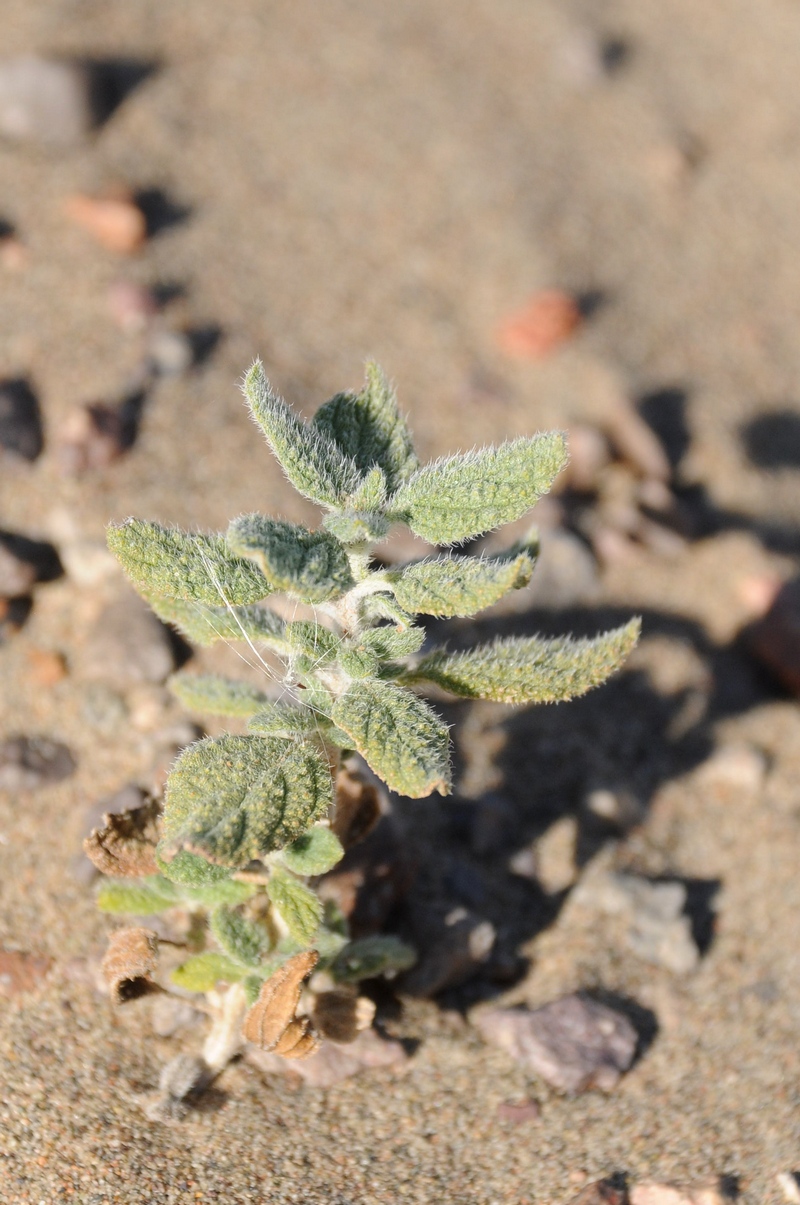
224, 1039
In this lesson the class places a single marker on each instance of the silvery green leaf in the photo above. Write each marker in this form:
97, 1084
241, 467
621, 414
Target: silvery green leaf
316, 852
371, 493
311, 565
317, 642
169, 563
241, 939
204, 625
313, 462
385, 606
529, 669
282, 719
191, 871
214, 695
356, 526
398, 735
202, 972
458, 585
228, 891
236, 798
388, 643
298, 907
372, 956
359, 662
463, 496
137, 897
369, 427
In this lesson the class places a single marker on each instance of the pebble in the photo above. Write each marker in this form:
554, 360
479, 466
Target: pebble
555, 855
128, 644
659, 931
739, 766
29, 762
20, 419
573, 1043
332, 1063
620, 807
789, 1184
518, 1112
92, 437
46, 667
774, 640
452, 949
132, 306
653, 1193
46, 101
21, 973
549, 319
114, 220
170, 353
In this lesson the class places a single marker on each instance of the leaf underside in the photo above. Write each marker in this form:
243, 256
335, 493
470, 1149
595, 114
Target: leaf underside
398, 735
236, 798
529, 669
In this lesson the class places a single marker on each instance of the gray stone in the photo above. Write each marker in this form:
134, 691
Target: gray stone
129, 644
333, 1063
659, 932
29, 762
45, 101
573, 1043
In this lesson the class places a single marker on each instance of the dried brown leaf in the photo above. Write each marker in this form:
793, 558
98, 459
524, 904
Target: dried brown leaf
125, 845
358, 808
271, 1023
341, 1015
298, 1040
130, 961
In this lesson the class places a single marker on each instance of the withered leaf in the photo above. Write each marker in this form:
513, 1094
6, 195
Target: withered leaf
125, 845
341, 1015
129, 962
358, 808
271, 1023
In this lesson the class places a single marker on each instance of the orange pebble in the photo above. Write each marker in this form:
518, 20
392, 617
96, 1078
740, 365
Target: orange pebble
47, 667
116, 222
533, 332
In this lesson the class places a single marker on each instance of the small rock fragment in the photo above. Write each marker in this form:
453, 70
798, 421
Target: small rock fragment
30, 762
573, 1043
45, 101
548, 319
738, 766
789, 1184
93, 437
129, 963
47, 667
115, 221
619, 807
518, 1112
21, 973
129, 644
451, 948
20, 419
17, 577
659, 931
170, 353
652, 1193
132, 306
774, 640
331, 1064
555, 855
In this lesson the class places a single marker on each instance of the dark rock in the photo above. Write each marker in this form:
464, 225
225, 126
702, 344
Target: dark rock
129, 644
573, 1043
28, 762
25, 562
602, 1192
13, 614
774, 640
20, 419
453, 946
45, 101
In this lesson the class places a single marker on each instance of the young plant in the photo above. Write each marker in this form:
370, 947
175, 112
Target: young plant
249, 821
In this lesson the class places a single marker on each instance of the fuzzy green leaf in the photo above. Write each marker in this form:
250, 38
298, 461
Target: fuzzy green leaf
317, 642
372, 956
356, 526
399, 736
240, 938
238, 797
166, 562
299, 908
359, 662
458, 585
281, 719
228, 891
205, 625
202, 972
138, 897
463, 496
529, 669
314, 853
190, 870
214, 695
311, 565
388, 643
368, 427
313, 462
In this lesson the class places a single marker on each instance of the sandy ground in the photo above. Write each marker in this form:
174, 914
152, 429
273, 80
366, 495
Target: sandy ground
392, 180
